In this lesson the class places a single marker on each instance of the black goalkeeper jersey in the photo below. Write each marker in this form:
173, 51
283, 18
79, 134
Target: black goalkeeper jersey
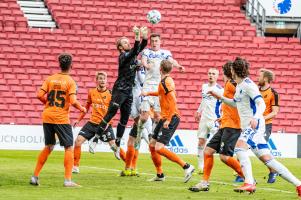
127, 66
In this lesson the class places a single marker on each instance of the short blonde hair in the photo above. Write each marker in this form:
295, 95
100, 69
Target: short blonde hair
268, 74
101, 73
166, 66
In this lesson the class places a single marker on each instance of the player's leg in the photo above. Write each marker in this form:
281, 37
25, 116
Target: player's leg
125, 111
49, 135
116, 101
212, 147
163, 139
156, 158
228, 141
273, 174
86, 133
64, 132
202, 137
241, 149
262, 151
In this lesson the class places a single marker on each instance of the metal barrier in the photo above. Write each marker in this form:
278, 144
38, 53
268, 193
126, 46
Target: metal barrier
256, 12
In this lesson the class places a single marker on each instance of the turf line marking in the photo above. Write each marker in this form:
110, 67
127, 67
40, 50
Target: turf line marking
181, 178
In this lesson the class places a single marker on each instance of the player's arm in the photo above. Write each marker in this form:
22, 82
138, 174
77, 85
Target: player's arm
43, 90
176, 64
144, 61
149, 93
275, 110
82, 114
76, 104
197, 115
275, 106
41, 96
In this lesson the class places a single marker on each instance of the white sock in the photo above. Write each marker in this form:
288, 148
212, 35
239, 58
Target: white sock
200, 157
246, 165
283, 171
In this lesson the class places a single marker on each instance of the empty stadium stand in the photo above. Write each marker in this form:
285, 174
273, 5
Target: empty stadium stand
200, 33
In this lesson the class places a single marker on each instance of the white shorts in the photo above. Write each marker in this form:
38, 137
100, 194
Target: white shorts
207, 128
150, 101
255, 139
135, 109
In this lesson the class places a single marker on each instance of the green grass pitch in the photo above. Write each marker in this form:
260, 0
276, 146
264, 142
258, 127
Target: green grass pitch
100, 180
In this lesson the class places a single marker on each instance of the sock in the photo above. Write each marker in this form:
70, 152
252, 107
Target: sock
156, 158
234, 164
41, 161
246, 165
130, 153
209, 160
122, 154
135, 158
283, 171
171, 156
68, 163
200, 157
77, 154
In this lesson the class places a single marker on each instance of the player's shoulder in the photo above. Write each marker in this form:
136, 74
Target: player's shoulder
248, 83
218, 86
164, 51
274, 91
146, 51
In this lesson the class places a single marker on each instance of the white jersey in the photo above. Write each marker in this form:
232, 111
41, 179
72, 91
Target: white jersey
139, 80
210, 107
154, 58
246, 94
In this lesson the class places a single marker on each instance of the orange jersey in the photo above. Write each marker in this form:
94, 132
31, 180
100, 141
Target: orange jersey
167, 96
230, 117
100, 102
271, 98
59, 87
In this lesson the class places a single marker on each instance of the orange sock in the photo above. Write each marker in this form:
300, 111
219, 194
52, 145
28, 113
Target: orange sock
234, 164
171, 156
130, 153
41, 160
122, 154
156, 158
77, 154
135, 158
208, 165
68, 163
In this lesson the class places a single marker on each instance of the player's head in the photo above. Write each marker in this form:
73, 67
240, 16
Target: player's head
212, 75
165, 67
265, 77
65, 60
101, 79
155, 41
240, 68
227, 70
123, 44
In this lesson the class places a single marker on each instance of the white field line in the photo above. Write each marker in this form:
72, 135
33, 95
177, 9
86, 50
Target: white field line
181, 178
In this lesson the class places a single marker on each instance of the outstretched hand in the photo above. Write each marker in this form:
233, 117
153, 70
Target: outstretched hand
144, 32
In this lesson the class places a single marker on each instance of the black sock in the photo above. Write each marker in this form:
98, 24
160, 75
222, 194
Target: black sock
186, 166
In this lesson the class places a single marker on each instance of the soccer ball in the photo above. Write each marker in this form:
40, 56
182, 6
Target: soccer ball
154, 16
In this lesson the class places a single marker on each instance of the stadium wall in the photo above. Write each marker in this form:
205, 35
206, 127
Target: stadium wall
24, 137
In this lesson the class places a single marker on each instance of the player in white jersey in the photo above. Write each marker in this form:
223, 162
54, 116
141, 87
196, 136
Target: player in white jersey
250, 106
207, 114
134, 140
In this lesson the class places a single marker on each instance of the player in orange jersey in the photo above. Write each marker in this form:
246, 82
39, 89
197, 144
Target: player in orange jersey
99, 98
57, 93
223, 142
170, 119
270, 97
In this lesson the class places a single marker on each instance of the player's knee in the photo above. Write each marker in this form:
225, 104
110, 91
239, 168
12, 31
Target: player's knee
202, 142
157, 117
223, 158
50, 147
79, 141
209, 151
131, 141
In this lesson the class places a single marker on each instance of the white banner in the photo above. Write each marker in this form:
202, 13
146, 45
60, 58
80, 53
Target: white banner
282, 8
21, 137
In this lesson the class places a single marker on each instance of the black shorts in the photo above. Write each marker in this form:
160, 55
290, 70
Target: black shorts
134, 131
89, 131
224, 141
163, 135
268, 131
123, 99
63, 131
